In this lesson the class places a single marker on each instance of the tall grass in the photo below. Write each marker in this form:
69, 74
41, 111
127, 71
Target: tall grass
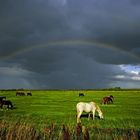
23, 130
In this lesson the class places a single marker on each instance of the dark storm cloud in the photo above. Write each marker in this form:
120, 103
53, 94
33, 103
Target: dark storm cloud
34, 22
73, 71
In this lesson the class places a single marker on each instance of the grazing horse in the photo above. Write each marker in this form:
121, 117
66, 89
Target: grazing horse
17, 93
1, 98
6, 102
20, 93
29, 94
107, 100
88, 107
81, 94
111, 96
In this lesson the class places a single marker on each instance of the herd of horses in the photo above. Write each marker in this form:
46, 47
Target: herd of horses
105, 100
91, 107
20, 93
8, 103
81, 107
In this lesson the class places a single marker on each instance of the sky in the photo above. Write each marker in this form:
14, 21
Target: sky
69, 44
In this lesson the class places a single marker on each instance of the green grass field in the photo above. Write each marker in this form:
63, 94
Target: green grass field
59, 107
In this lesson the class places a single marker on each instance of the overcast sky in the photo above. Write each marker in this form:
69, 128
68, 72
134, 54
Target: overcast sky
69, 44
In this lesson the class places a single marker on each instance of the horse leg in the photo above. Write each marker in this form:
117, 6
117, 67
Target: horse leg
8, 106
93, 112
106, 101
1, 106
78, 116
89, 116
11, 105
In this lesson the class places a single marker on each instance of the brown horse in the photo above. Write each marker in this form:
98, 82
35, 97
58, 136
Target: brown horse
20, 93
6, 102
107, 100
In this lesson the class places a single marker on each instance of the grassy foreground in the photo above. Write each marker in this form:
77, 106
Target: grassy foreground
52, 115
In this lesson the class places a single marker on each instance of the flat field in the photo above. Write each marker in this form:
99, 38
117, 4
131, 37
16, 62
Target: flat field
59, 107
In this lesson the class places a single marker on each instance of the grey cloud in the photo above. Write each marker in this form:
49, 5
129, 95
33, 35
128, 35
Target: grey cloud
59, 67
73, 72
15, 77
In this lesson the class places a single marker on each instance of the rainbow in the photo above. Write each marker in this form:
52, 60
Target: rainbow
69, 42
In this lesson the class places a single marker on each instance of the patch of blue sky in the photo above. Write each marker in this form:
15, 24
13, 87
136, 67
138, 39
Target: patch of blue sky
131, 68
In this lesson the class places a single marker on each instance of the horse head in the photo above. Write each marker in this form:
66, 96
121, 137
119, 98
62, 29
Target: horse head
101, 115
111, 96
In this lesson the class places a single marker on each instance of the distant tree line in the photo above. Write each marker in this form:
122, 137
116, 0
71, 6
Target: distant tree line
103, 89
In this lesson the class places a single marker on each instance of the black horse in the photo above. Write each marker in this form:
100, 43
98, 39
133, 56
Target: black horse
81, 94
29, 94
1, 98
6, 102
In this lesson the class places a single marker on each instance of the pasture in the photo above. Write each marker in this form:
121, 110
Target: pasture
45, 108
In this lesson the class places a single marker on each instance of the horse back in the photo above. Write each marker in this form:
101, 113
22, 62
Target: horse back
81, 94
5, 102
86, 107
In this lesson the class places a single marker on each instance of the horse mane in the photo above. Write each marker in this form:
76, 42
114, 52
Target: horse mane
98, 108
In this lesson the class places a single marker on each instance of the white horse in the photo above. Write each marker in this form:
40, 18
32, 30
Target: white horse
88, 107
